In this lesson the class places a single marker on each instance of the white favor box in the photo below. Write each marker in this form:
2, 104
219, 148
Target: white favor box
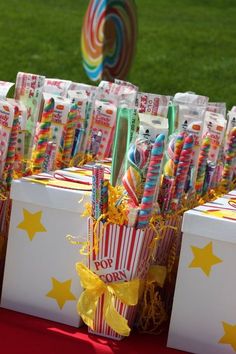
203, 316
40, 277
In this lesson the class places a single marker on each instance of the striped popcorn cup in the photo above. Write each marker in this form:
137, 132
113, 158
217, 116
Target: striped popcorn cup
156, 302
123, 254
170, 235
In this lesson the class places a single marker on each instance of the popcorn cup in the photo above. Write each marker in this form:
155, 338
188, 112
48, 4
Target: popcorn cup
118, 254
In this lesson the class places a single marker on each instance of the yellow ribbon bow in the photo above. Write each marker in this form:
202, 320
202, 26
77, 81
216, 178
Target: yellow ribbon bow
126, 292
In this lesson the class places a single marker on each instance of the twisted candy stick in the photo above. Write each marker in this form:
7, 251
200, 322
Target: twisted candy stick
179, 143
229, 158
131, 181
153, 174
174, 149
43, 135
202, 163
97, 184
182, 170
10, 159
69, 135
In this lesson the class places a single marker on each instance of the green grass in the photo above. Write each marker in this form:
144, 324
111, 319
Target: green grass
182, 44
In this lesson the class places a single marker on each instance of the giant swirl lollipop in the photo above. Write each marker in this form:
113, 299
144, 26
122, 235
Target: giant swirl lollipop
108, 38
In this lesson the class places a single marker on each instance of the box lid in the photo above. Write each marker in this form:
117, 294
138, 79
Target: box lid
48, 196
215, 220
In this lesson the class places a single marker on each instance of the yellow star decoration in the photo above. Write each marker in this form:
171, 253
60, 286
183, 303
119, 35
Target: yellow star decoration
230, 335
31, 223
61, 292
204, 258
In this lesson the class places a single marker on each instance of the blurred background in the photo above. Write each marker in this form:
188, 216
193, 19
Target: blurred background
183, 45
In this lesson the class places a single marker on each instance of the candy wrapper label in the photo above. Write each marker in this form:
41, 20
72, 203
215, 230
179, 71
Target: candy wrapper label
103, 129
121, 93
88, 89
156, 105
56, 86
217, 107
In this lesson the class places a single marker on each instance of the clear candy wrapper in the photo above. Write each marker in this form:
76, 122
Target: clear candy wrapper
190, 117
58, 122
214, 127
56, 86
28, 90
127, 122
6, 122
217, 107
230, 125
153, 104
102, 129
22, 112
151, 126
123, 93
213, 131
89, 90
83, 98
20, 142
4, 88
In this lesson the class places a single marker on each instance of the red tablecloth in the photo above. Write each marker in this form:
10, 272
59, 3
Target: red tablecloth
23, 334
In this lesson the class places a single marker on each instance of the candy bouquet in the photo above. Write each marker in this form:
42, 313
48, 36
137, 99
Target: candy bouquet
155, 180
166, 154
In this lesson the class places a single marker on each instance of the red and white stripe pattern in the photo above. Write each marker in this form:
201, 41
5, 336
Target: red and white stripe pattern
128, 252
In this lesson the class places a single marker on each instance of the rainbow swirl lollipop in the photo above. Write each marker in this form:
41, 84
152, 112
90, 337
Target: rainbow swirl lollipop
108, 38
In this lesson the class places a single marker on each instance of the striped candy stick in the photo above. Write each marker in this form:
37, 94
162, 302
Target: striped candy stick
104, 197
43, 136
153, 175
168, 182
202, 163
179, 143
182, 170
97, 184
131, 182
69, 134
166, 193
230, 156
10, 158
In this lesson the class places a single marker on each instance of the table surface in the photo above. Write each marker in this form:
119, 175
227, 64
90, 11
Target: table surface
24, 334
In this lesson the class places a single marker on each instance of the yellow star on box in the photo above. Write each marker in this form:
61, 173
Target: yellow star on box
61, 292
230, 335
31, 223
204, 258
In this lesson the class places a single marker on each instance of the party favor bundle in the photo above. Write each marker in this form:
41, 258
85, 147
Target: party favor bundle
121, 263
167, 154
